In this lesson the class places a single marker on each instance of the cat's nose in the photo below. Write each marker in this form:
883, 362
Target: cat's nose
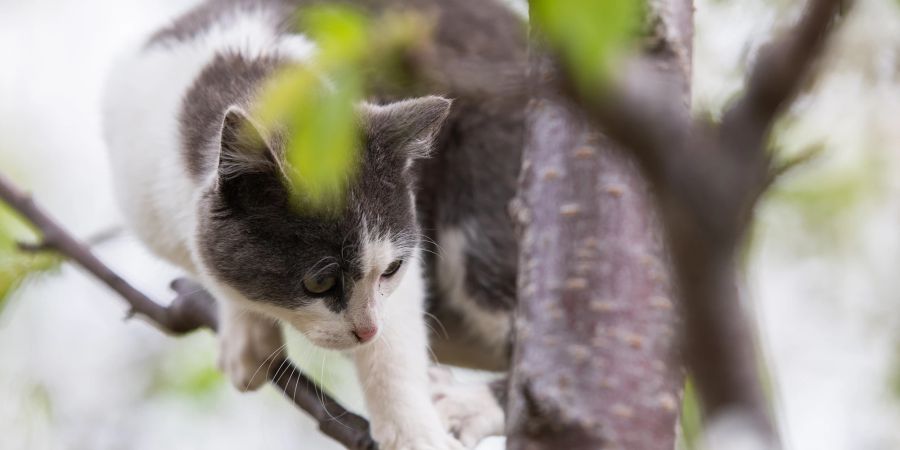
365, 334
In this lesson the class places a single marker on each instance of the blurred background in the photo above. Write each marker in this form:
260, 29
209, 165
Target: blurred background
822, 268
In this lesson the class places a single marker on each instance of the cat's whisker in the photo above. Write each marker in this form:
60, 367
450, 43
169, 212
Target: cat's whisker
288, 383
438, 322
269, 359
427, 239
425, 250
321, 392
411, 241
278, 373
318, 387
431, 352
387, 342
296, 384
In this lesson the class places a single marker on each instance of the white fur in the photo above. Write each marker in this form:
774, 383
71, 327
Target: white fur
252, 344
492, 327
469, 410
160, 202
393, 371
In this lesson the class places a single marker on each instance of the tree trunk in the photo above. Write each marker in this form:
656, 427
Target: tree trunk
594, 361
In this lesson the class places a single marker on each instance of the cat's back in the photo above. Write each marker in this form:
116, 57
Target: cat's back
161, 106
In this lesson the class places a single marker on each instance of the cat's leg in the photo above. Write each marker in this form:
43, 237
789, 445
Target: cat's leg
393, 372
249, 344
470, 411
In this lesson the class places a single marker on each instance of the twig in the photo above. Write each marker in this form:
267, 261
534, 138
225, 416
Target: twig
806, 156
781, 68
104, 236
192, 309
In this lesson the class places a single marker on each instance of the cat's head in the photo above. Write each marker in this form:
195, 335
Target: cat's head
329, 275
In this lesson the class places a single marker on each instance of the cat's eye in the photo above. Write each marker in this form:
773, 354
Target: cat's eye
392, 268
319, 284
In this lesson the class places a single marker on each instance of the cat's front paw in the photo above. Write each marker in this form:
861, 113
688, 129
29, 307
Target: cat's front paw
393, 439
248, 347
470, 411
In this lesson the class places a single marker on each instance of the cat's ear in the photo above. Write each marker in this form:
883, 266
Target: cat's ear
408, 126
243, 147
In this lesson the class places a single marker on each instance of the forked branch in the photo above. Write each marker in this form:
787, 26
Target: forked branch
708, 179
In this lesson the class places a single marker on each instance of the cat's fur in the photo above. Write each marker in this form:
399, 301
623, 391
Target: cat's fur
201, 182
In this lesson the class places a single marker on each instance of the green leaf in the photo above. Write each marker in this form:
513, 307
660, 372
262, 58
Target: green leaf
188, 370
691, 420
316, 101
339, 32
17, 266
590, 35
199, 381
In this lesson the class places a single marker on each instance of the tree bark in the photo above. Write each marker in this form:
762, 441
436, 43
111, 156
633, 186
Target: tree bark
594, 362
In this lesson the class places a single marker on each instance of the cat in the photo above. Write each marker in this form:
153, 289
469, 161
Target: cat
423, 228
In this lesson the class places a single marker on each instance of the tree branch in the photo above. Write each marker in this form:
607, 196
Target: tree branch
193, 308
708, 180
594, 361
782, 66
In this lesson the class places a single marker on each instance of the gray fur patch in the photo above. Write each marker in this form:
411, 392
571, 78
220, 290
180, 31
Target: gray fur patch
230, 79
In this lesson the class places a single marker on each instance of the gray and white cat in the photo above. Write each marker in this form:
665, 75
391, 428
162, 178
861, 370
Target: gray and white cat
413, 235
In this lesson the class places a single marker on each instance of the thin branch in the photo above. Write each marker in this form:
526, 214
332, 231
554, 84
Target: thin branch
803, 158
104, 236
91, 241
780, 70
782, 66
192, 309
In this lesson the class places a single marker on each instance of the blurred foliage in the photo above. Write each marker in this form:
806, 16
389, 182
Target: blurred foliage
590, 35
188, 370
316, 101
827, 200
40, 401
17, 266
691, 421
894, 374
692, 415
825, 192
199, 381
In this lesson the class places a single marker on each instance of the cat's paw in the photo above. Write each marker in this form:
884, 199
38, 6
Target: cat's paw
391, 439
470, 411
248, 347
